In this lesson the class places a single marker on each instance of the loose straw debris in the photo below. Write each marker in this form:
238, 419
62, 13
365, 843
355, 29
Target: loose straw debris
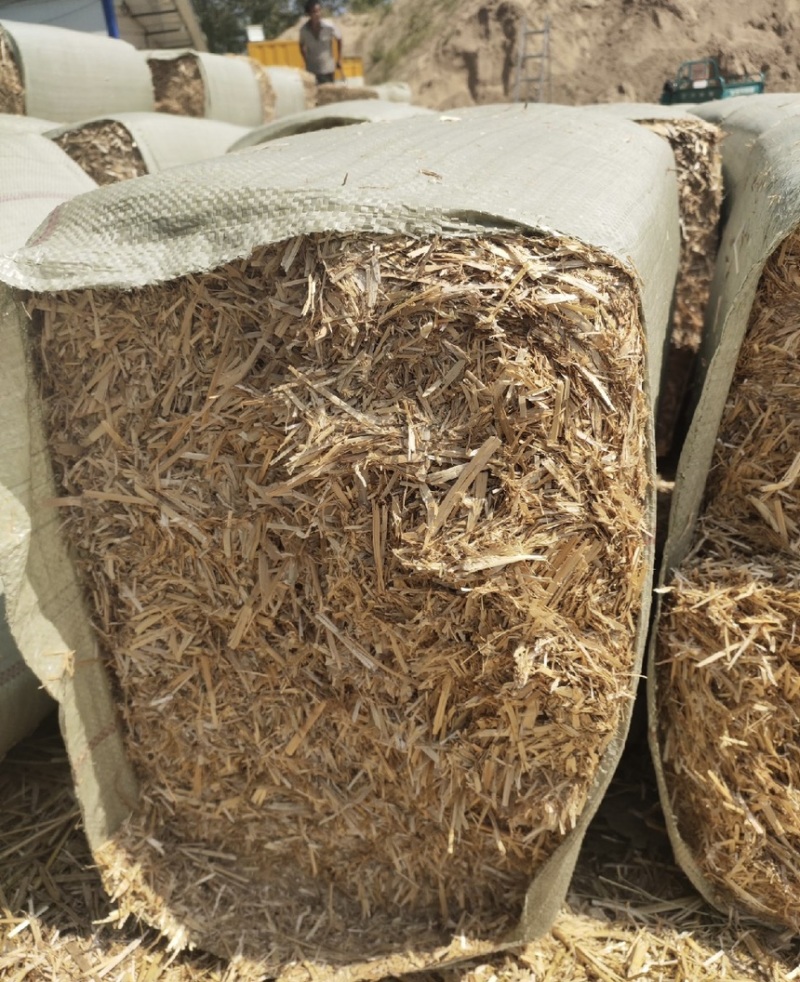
105, 150
363, 522
631, 914
12, 91
729, 651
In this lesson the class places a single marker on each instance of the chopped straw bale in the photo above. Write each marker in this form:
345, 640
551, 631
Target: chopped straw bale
178, 86
696, 146
265, 88
729, 675
332, 92
364, 524
105, 150
752, 487
12, 91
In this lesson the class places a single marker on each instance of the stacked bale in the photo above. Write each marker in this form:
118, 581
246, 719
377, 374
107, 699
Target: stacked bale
295, 90
117, 147
696, 146
332, 92
725, 692
196, 83
63, 75
24, 124
327, 117
36, 177
364, 509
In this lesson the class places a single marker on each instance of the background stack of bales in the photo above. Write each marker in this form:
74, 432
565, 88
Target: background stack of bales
65, 76
208, 86
327, 117
398, 578
124, 145
726, 696
36, 176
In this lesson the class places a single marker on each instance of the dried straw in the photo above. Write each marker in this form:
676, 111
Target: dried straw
366, 551
12, 91
728, 682
105, 150
56, 924
331, 92
631, 913
696, 146
178, 86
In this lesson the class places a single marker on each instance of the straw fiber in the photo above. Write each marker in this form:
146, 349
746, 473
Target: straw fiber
630, 914
105, 149
178, 85
366, 554
12, 89
333, 92
728, 646
695, 145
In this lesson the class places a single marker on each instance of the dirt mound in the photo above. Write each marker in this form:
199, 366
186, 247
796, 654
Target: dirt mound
457, 54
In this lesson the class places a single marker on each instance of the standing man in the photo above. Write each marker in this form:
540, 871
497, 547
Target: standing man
320, 44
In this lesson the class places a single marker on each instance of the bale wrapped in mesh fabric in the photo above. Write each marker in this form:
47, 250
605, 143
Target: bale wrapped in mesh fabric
11, 124
695, 143
723, 687
124, 145
36, 176
63, 75
209, 86
357, 465
295, 89
328, 117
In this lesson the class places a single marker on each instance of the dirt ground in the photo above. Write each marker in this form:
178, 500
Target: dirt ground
463, 52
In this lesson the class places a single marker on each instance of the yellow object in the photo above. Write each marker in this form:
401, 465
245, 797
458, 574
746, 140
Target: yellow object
288, 53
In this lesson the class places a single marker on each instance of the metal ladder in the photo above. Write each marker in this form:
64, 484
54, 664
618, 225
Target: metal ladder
523, 57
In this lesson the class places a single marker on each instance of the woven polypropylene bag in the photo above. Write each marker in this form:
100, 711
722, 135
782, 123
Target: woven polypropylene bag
534, 171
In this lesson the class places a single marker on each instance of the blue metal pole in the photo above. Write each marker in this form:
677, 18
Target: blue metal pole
111, 18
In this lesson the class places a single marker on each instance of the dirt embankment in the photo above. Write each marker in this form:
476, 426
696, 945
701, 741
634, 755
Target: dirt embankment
460, 53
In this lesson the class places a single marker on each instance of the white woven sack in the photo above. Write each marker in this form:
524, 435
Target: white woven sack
72, 75
36, 176
513, 170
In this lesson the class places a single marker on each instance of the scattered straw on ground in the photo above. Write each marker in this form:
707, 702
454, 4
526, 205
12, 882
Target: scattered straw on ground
56, 924
366, 551
631, 914
696, 146
12, 92
178, 85
729, 680
331, 92
105, 150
